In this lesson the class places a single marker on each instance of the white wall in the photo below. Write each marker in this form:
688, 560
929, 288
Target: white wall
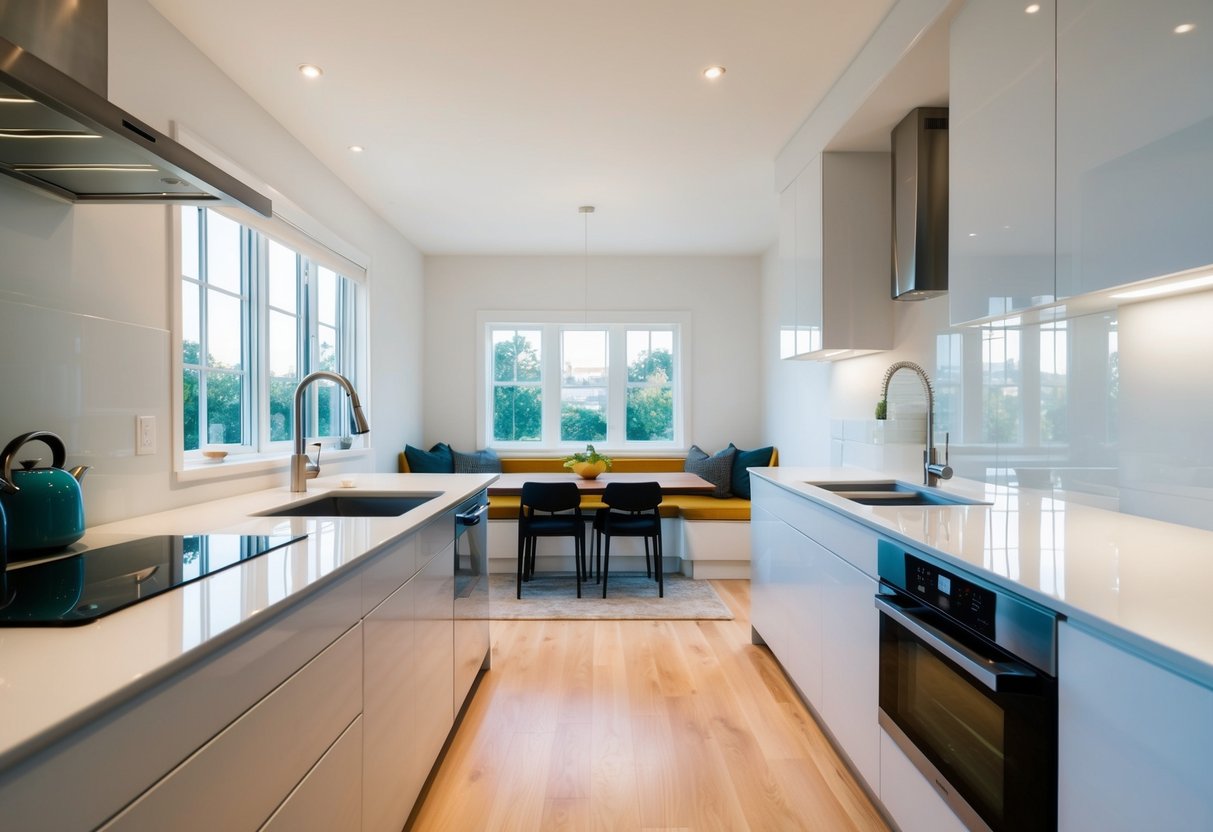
84, 290
720, 293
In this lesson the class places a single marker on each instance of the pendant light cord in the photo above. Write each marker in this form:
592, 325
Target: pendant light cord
585, 210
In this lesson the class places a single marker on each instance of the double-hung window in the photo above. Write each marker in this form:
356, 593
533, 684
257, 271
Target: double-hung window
257, 315
554, 385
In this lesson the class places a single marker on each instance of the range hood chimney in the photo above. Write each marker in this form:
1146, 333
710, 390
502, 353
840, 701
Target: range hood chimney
59, 133
920, 204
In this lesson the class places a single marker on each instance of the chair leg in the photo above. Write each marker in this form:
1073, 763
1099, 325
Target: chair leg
648, 569
521, 562
579, 558
606, 565
658, 556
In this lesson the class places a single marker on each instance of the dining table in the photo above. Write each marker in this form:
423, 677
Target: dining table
671, 482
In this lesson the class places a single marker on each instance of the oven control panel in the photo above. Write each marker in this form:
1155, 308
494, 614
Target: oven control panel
962, 600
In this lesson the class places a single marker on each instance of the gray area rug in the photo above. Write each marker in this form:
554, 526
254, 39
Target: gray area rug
554, 596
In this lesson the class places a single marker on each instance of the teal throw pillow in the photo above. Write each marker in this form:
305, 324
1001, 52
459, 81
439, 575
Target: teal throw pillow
757, 458
479, 462
716, 469
437, 460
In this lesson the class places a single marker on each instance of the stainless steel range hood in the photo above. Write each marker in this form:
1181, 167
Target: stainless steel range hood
920, 204
60, 134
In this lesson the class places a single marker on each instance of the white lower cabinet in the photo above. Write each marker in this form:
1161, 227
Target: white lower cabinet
909, 798
1134, 741
239, 778
435, 668
850, 665
815, 611
330, 798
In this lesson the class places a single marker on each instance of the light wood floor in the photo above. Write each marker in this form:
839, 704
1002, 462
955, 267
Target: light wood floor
640, 725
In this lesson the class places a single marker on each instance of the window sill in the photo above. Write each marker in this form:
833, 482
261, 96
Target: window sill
250, 464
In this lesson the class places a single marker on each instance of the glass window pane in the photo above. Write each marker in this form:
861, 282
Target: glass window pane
327, 348
583, 357
224, 409
190, 323
189, 406
284, 276
650, 414
282, 391
326, 302
222, 252
638, 352
284, 345
517, 413
516, 355
650, 356
661, 353
224, 331
583, 414
189, 242
329, 401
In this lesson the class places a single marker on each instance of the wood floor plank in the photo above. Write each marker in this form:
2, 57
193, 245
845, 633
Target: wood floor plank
637, 725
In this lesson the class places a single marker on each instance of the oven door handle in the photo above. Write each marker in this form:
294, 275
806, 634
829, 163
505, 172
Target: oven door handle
994, 674
472, 516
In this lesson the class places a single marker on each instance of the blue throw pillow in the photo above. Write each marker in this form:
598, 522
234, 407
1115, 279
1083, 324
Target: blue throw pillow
478, 462
437, 460
716, 469
757, 458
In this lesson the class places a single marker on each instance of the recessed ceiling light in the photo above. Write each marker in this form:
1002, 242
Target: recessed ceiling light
310, 71
713, 72
1184, 28
1032, 9
356, 148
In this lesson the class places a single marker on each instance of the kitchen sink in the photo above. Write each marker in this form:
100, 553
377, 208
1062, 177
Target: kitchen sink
354, 505
894, 493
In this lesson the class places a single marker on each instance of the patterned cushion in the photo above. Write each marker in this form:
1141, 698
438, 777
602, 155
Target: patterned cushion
479, 462
717, 469
437, 460
759, 458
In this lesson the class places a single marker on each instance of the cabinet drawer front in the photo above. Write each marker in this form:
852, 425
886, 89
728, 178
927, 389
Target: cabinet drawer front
154, 732
237, 779
388, 571
330, 797
851, 541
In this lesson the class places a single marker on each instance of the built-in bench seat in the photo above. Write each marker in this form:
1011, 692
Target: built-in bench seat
709, 536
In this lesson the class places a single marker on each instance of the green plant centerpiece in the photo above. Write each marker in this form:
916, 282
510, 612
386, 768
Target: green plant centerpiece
882, 409
587, 464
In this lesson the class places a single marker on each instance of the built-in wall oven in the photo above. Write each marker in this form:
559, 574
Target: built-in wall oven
471, 610
968, 690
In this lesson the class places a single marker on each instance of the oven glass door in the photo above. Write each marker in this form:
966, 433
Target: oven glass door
995, 750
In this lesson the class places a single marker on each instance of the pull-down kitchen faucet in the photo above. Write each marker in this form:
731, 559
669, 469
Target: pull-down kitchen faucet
302, 468
932, 472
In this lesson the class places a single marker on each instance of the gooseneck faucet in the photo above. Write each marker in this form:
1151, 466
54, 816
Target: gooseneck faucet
932, 472
302, 468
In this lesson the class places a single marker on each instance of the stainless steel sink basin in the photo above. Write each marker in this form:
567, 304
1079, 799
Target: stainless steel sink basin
894, 493
353, 505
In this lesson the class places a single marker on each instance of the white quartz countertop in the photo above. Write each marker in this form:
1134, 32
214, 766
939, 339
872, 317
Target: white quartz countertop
55, 679
1142, 583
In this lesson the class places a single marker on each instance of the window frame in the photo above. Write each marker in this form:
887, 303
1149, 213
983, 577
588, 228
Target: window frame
551, 325
259, 450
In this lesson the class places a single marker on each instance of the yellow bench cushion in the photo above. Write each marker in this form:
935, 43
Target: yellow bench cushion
707, 507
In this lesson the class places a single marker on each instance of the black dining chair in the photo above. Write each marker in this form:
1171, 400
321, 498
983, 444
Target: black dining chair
544, 512
631, 511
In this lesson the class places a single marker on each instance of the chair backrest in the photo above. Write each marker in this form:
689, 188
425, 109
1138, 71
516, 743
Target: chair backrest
632, 496
550, 496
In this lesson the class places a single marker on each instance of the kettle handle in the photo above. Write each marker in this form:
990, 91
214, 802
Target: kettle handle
51, 440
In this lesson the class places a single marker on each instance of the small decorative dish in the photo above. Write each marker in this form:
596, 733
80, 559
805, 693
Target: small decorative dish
215, 456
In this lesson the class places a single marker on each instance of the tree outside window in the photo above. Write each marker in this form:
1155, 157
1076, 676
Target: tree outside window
517, 391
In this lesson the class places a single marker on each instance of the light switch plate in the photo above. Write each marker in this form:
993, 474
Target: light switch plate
145, 435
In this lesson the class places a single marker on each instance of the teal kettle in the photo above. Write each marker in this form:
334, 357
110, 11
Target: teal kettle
44, 506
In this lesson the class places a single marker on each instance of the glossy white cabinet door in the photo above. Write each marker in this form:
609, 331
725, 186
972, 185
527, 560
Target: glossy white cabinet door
1134, 140
330, 798
809, 308
787, 272
850, 665
435, 667
1001, 157
390, 779
786, 600
1133, 739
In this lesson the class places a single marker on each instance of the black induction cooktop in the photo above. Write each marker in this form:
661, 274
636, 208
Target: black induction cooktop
96, 582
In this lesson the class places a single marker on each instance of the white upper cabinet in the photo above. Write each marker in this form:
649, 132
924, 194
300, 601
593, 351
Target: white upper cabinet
1134, 140
834, 253
1001, 161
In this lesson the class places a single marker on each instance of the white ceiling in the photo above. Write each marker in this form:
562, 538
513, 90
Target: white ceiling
487, 123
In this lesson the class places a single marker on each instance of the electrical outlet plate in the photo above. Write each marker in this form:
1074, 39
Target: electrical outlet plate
145, 435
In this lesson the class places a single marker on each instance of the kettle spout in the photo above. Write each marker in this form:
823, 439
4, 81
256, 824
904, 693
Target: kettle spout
79, 471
